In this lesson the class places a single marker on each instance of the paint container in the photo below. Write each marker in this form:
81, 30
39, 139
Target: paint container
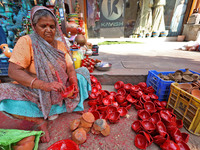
95, 50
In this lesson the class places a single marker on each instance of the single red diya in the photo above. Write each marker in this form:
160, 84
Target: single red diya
148, 137
138, 105
124, 104
148, 125
98, 85
169, 144
105, 93
136, 126
185, 137
157, 103
161, 128
127, 86
159, 139
140, 141
165, 116
135, 88
139, 94
177, 136
123, 111
131, 99
96, 114
114, 117
118, 85
115, 104
95, 89
120, 98
142, 85
113, 93
163, 103
93, 79
179, 123
183, 146
102, 108
143, 114
146, 97
150, 107
92, 102
93, 108
92, 95
111, 97
148, 90
66, 144
153, 96
155, 118
111, 109
121, 91
103, 115
106, 101
129, 106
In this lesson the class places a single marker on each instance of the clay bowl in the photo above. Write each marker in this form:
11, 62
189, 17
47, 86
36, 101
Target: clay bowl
155, 118
135, 88
100, 124
147, 136
95, 89
115, 104
118, 85
84, 123
123, 111
149, 106
67, 144
111, 97
196, 93
93, 108
146, 97
139, 94
130, 99
138, 105
179, 123
136, 126
161, 128
169, 144
186, 87
188, 78
92, 102
74, 124
166, 117
129, 106
111, 109
148, 125
143, 114
140, 141
89, 117
96, 114
183, 146
127, 86
79, 136
120, 98
98, 85
121, 91
159, 139
195, 77
102, 108
124, 104
92, 95
163, 103
153, 96
114, 117
105, 93
93, 79
142, 85
107, 101
185, 137
113, 93
106, 131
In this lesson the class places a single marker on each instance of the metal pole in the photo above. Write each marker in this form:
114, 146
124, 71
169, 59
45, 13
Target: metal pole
62, 16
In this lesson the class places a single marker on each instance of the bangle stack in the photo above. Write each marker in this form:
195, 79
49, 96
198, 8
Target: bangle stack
31, 84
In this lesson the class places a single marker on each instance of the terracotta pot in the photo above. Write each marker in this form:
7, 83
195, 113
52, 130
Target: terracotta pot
136, 126
74, 124
106, 131
186, 87
140, 141
118, 85
123, 111
80, 39
79, 136
84, 123
100, 124
72, 27
143, 114
196, 93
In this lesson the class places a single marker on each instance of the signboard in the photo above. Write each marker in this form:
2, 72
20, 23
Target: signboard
112, 13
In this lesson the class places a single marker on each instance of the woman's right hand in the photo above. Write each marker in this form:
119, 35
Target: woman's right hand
53, 86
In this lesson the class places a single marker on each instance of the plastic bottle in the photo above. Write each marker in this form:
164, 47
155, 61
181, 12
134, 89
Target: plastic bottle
76, 57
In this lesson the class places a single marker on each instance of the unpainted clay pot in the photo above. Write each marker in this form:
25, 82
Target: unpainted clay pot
106, 131
196, 93
100, 124
80, 39
195, 77
188, 78
187, 72
89, 117
79, 136
74, 124
84, 123
186, 87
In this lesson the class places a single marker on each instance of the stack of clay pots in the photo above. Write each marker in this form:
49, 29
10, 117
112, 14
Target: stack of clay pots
180, 76
86, 123
27, 143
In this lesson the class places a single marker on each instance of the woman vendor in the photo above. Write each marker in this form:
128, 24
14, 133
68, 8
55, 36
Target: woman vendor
35, 61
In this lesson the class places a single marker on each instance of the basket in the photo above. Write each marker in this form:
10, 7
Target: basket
161, 87
186, 107
4, 66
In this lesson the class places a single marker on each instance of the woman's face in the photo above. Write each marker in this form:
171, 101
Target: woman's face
46, 28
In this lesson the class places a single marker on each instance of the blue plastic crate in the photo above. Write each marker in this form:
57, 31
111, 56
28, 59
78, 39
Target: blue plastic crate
161, 87
4, 66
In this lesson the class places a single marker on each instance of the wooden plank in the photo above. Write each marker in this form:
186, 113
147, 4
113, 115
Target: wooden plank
85, 18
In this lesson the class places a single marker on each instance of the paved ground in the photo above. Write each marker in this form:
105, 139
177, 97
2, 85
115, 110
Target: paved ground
130, 63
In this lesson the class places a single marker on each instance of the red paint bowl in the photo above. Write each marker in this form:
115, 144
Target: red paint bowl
127, 86
64, 145
123, 111
183, 146
136, 126
118, 85
106, 101
140, 141
143, 114
148, 137
121, 91
146, 97
114, 117
139, 94
161, 128
148, 125
150, 107
130, 99
142, 85
119, 98
155, 118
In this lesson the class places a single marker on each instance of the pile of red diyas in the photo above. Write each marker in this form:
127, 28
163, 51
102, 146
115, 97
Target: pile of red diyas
89, 63
155, 122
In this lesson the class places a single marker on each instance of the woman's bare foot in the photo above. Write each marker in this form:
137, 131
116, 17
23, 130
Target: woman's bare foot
46, 137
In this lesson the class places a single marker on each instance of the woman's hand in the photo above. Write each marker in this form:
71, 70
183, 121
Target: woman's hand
53, 86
